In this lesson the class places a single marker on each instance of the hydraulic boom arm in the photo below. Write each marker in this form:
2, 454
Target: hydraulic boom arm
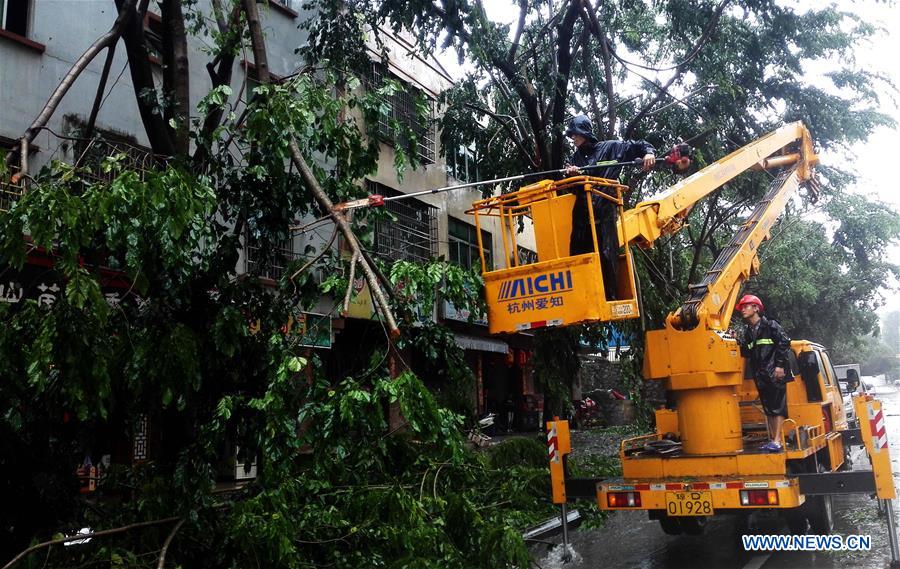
650, 220
713, 298
695, 356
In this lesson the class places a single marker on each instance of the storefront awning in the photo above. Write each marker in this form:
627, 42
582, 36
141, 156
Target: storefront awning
467, 342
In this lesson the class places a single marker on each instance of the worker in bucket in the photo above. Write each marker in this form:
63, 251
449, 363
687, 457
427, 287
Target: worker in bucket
589, 151
767, 347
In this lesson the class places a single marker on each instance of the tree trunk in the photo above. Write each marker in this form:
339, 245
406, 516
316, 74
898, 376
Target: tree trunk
176, 81
145, 87
561, 85
220, 71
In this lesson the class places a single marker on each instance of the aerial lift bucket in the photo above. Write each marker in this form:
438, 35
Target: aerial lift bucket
558, 289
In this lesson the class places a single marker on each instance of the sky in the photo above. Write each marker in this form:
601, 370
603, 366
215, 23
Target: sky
873, 164
872, 160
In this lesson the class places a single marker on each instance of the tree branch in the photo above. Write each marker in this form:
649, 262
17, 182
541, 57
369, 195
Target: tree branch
176, 81
258, 44
588, 73
346, 305
126, 11
506, 126
695, 50
310, 180
523, 88
77, 537
220, 16
557, 107
101, 88
220, 70
598, 31
511, 56
315, 259
679, 69
698, 243
165, 547
662, 92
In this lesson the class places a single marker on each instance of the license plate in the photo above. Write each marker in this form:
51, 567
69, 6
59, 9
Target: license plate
689, 503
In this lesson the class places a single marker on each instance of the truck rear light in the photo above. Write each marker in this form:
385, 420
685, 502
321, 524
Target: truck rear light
759, 497
623, 499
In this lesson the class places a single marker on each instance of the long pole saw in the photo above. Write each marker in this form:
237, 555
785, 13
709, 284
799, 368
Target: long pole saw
678, 158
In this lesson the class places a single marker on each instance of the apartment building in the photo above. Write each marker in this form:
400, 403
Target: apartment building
41, 39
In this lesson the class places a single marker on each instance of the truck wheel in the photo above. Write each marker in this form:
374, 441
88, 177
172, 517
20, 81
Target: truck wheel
670, 526
820, 513
693, 525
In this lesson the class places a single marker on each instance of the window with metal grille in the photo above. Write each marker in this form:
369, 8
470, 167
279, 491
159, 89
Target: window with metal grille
461, 164
14, 16
463, 241
89, 153
412, 234
273, 264
401, 106
526, 256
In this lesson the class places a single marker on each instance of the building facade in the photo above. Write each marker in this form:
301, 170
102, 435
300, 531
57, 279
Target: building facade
41, 39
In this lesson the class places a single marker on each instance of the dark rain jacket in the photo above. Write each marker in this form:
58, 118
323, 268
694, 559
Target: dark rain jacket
767, 348
588, 154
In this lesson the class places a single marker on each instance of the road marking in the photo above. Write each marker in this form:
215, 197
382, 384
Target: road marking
758, 561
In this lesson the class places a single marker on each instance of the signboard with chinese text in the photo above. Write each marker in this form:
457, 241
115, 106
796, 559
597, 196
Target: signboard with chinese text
38, 281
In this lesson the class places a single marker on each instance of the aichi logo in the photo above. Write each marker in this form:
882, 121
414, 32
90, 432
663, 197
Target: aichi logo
525, 287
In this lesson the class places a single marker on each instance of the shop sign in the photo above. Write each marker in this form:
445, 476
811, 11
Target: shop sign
303, 329
37, 281
312, 330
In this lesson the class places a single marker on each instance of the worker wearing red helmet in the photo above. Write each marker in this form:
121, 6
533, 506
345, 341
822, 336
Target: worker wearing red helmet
767, 347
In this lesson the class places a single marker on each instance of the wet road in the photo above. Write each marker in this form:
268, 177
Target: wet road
630, 540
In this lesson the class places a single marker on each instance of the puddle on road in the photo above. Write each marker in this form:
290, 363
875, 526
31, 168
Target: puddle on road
554, 559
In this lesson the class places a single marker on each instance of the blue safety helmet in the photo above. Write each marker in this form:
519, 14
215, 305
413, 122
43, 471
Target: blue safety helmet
580, 124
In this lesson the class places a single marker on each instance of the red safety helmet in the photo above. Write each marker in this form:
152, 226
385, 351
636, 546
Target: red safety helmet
749, 299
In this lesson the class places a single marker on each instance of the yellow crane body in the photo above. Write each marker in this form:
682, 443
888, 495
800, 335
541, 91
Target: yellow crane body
705, 456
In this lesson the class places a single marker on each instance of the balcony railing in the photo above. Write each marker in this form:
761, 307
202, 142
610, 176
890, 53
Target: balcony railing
274, 264
10, 193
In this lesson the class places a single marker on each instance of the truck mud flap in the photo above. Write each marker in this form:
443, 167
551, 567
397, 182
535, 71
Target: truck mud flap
849, 482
